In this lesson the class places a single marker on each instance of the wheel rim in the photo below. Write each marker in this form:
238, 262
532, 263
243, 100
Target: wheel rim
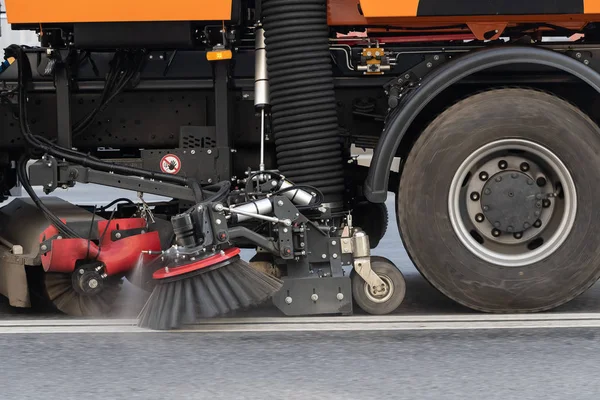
512, 202
383, 295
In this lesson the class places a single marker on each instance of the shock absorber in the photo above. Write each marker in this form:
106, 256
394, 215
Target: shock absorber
261, 88
303, 104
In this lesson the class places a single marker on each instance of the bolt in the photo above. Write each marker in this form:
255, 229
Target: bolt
99, 268
474, 196
546, 203
81, 271
436, 57
486, 208
479, 218
193, 151
407, 76
529, 182
514, 175
518, 235
142, 231
285, 230
578, 55
538, 196
538, 204
93, 283
314, 297
502, 164
333, 242
497, 224
541, 181
524, 167
526, 225
586, 62
510, 229
334, 255
484, 176
323, 256
537, 223
118, 235
280, 203
209, 151
44, 247
218, 221
288, 300
210, 180
273, 183
377, 54
537, 213
429, 65
246, 96
302, 244
496, 233
59, 237
369, 54
487, 191
498, 179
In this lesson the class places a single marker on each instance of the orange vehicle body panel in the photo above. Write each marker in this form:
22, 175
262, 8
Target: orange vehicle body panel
73, 11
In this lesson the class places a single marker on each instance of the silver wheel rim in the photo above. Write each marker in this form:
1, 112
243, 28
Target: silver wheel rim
386, 294
555, 221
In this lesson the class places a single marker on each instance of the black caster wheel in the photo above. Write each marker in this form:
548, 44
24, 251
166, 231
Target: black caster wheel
385, 301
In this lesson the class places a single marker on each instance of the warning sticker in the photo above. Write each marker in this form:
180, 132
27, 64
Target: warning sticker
170, 164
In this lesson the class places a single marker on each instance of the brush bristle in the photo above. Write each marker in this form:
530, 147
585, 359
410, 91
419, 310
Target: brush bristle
234, 286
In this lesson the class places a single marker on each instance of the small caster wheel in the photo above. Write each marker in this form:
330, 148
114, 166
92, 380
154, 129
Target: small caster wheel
384, 301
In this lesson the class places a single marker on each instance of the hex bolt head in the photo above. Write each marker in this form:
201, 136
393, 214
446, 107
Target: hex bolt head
314, 297
538, 196
526, 225
496, 233
44, 247
93, 283
524, 167
487, 191
483, 176
479, 218
333, 242
518, 235
529, 182
81, 271
537, 213
474, 196
510, 229
288, 300
218, 221
537, 223
486, 208
546, 203
340, 296
497, 224
538, 204
280, 203
514, 175
209, 151
502, 164
334, 255
323, 256
118, 235
498, 179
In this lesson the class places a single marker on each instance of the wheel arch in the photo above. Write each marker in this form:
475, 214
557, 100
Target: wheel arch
395, 132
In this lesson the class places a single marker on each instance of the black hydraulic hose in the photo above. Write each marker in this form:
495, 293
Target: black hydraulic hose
86, 160
304, 114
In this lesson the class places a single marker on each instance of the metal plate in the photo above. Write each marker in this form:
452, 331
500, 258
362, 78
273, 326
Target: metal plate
301, 290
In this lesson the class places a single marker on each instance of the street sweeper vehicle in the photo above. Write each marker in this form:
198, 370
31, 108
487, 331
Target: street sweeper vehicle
245, 116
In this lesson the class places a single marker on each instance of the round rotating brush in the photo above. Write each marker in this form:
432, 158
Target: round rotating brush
205, 288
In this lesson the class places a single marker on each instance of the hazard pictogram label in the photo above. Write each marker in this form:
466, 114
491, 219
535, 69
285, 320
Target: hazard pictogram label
170, 164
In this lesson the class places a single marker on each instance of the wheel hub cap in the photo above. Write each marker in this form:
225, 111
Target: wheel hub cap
511, 201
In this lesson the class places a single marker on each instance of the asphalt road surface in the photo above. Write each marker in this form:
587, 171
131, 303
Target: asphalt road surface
430, 348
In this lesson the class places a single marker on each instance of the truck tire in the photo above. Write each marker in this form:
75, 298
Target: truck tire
499, 202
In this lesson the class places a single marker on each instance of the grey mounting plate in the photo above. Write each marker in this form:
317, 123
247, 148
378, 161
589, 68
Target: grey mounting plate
333, 296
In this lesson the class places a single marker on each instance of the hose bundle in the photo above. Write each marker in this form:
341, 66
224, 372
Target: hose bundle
302, 94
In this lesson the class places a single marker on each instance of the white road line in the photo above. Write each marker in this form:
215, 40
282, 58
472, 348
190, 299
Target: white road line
317, 324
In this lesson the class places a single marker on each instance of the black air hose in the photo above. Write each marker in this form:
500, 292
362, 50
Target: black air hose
302, 94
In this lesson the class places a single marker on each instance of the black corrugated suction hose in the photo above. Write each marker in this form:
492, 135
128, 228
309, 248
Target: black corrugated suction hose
302, 94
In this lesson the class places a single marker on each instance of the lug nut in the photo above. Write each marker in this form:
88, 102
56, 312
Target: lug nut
546, 203
496, 232
524, 167
484, 176
474, 196
541, 181
537, 223
479, 218
518, 235
502, 164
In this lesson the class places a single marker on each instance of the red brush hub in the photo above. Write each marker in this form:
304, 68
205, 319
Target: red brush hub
117, 255
170, 272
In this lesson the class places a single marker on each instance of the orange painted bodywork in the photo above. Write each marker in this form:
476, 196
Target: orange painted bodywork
73, 11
